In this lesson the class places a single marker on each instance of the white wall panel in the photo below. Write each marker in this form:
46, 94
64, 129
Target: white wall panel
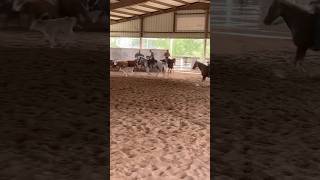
176, 35
161, 26
159, 23
124, 34
133, 25
194, 22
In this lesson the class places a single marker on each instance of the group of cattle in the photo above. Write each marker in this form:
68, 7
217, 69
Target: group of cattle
142, 64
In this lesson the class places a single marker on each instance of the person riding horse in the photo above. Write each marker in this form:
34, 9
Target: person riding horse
166, 57
138, 58
138, 55
167, 54
151, 60
316, 10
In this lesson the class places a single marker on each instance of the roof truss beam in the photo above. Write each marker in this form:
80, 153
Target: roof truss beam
181, 1
150, 7
162, 3
124, 3
123, 12
191, 6
137, 10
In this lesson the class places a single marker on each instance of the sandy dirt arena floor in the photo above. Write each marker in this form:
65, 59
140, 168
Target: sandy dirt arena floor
160, 127
266, 113
52, 108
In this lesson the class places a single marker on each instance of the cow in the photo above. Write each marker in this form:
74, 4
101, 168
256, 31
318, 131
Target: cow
125, 66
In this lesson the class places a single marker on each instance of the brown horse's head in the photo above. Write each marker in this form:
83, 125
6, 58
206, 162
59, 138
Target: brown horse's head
273, 13
195, 65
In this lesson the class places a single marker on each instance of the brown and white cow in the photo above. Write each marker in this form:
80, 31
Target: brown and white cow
125, 66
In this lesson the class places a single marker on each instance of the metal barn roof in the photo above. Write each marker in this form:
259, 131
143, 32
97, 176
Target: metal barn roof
127, 10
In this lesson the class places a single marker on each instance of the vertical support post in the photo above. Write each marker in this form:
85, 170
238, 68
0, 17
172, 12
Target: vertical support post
174, 22
141, 32
206, 33
174, 30
171, 47
229, 5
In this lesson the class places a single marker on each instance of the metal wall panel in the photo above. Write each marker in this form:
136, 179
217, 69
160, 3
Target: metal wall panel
192, 22
191, 11
209, 26
133, 25
176, 35
124, 34
159, 23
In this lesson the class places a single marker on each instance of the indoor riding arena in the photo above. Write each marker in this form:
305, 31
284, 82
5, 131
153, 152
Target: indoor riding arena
44, 134
266, 110
160, 104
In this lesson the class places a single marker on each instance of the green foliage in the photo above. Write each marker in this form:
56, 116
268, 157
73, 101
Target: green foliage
180, 47
124, 42
208, 49
156, 43
188, 47
135, 42
113, 42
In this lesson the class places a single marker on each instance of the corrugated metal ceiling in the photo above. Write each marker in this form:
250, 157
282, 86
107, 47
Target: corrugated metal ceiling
124, 9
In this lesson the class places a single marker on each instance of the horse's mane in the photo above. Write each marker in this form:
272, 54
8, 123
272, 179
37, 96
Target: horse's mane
199, 62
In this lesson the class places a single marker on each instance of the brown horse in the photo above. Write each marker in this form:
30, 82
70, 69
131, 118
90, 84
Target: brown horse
301, 24
205, 70
170, 63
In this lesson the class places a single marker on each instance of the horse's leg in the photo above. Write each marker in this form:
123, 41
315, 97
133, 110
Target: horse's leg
164, 72
300, 54
148, 70
158, 70
123, 71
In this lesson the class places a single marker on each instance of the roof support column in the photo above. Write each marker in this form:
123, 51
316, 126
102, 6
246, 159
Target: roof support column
141, 32
206, 33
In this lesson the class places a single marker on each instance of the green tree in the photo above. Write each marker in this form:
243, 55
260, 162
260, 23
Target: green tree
188, 47
208, 49
113, 42
155, 43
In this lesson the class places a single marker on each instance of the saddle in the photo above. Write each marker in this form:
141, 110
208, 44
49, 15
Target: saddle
164, 60
151, 61
139, 56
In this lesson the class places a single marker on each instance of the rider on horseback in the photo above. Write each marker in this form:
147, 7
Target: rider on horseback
151, 60
167, 54
151, 55
138, 55
316, 8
